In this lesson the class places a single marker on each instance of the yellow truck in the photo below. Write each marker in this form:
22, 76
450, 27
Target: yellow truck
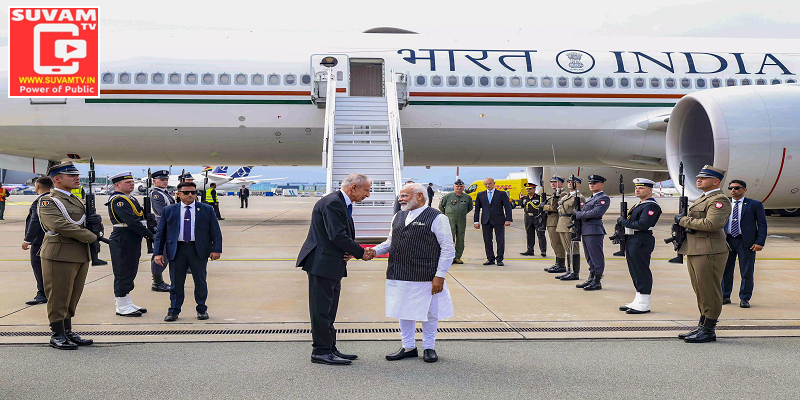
514, 187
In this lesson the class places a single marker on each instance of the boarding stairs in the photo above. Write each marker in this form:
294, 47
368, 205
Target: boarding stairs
362, 134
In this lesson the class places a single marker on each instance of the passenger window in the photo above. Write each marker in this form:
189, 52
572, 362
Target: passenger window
499, 81
257, 79
421, 80
274, 79
483, 81
469, 81
305, 79
436, 81
289, 79
791, 81
191, 79
700, 83
577, 82
761, 82
224, 79
452, 81
108, 77
776, 82
208, 79
530, 81
730, 82
639, 82
174, 78
593, 82
715, 83
141, 77
125, 78
624, 82
746, 82
686, 83
562, 82
669, 83
158, 78
515, 81
608, 82
547, 81
655, 83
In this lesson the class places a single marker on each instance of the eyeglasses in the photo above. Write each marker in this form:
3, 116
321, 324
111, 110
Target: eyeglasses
187, 192
735, 188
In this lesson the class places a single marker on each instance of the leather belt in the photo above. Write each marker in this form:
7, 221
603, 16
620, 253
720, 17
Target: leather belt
120, 225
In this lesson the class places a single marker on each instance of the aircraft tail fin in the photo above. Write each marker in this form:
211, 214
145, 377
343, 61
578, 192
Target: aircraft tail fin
220, 170
242, 172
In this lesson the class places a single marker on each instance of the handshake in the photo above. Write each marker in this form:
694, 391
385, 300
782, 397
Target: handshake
369, 254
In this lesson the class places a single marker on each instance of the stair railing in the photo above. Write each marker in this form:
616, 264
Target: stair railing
395, 133
330, 130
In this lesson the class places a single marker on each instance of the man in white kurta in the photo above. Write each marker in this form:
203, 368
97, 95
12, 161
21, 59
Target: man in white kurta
421, 250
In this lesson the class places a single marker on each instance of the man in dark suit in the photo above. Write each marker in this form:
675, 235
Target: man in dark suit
244, 196
33, 238
430, 193
188, 235
746, 233
496, 217
329, 245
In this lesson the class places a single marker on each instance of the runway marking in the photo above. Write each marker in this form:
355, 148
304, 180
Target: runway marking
268, 219
485, 306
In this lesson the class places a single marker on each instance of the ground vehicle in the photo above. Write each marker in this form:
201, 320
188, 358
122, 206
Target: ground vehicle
514, 187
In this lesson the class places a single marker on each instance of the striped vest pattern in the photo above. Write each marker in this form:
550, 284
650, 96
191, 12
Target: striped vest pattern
414, 253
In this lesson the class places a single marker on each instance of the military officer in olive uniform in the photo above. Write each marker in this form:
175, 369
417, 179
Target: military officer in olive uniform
593, 232
456, 205
640, 243
127, 217
551, 209
706, 251
159, 198
566, 207
65, 253
535, 224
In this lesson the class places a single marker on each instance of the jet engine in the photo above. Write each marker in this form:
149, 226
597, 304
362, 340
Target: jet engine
749, 131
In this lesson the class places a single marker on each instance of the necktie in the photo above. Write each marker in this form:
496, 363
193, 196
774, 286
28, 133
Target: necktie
350, 209
490, 196
187, 224
735, 224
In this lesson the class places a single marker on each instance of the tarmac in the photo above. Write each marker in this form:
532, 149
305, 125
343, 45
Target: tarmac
257, 294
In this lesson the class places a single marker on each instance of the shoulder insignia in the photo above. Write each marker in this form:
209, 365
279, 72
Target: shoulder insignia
45, 203
651, 213
155, 196
582, 203
603, 202
717, 205
119, 204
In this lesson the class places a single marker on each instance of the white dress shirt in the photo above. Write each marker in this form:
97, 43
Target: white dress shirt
711, 191
63, 191
347, 200
738, 212
490, 195
192, 207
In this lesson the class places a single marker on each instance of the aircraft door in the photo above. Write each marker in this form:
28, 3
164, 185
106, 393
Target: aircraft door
366, 77
341, 70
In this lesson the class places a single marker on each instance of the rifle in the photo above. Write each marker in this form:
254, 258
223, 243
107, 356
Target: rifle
678, 232
575, 223
542, 202
619, 230
91, 209
148, 211
181, 179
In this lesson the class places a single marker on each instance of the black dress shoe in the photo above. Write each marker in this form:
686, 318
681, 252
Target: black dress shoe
171, 317
490, 262
429, 355
571, 277
339, 354
99, 263
594, 284
132, 314
74, 338
142, 310
220, 219
556, 269
585, 284
744, 304
624, 308
202, 316
160, 287
329, 359
543, 254
402, 353
37, 300
61, 341
694, 330
527, 253
635, 311
726, 300
500, 264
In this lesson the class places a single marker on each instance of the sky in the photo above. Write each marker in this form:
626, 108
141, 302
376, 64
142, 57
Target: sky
676, 18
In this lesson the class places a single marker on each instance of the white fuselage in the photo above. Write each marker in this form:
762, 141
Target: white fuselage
453, 119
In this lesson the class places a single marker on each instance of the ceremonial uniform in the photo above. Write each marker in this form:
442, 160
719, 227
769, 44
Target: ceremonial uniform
639, 246
127, 217
706, 251
456, 208
159, 198
65, 256
566, 207
551, 209
592, 235
535, 224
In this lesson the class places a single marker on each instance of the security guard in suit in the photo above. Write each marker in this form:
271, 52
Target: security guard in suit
535, 224
566, 207
640, 243
456, 205
159, 198
551, 209
130, 226
593, 232
65, 253
706, 251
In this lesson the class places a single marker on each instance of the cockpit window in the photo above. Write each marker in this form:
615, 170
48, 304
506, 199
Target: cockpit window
471, 188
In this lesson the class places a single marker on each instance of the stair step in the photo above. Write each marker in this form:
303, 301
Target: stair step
361, 147
355, 154
359, 138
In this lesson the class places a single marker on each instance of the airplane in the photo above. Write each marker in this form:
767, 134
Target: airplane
603, 105
16, 186
240, 177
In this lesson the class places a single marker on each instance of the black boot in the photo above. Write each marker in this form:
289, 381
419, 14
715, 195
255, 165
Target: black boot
59, 339
595, 283
158, 284
588, 281
694, 330
707, 333
558, 267
97, 262
72, 336
576, 269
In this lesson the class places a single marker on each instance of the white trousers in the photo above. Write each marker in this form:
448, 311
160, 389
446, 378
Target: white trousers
408, 327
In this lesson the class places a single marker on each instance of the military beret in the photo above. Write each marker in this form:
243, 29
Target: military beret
160, 174
64, 168
458, 182
557, 179
121, 176
711, 172
596, 179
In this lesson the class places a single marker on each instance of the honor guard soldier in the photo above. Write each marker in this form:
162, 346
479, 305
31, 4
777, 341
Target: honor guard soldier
551, 210
159, 198
706, 251
640, 243
65, 253
127, 217
456, 205
80, 193
535, 224
566, 207
593, 232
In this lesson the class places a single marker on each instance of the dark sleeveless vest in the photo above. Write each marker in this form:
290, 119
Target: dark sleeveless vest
414, 254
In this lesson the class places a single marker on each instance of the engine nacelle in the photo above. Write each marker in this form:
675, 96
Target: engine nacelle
749, 131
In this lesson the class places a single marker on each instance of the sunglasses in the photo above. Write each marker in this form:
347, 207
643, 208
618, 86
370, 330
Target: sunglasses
187, 192
735, 188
